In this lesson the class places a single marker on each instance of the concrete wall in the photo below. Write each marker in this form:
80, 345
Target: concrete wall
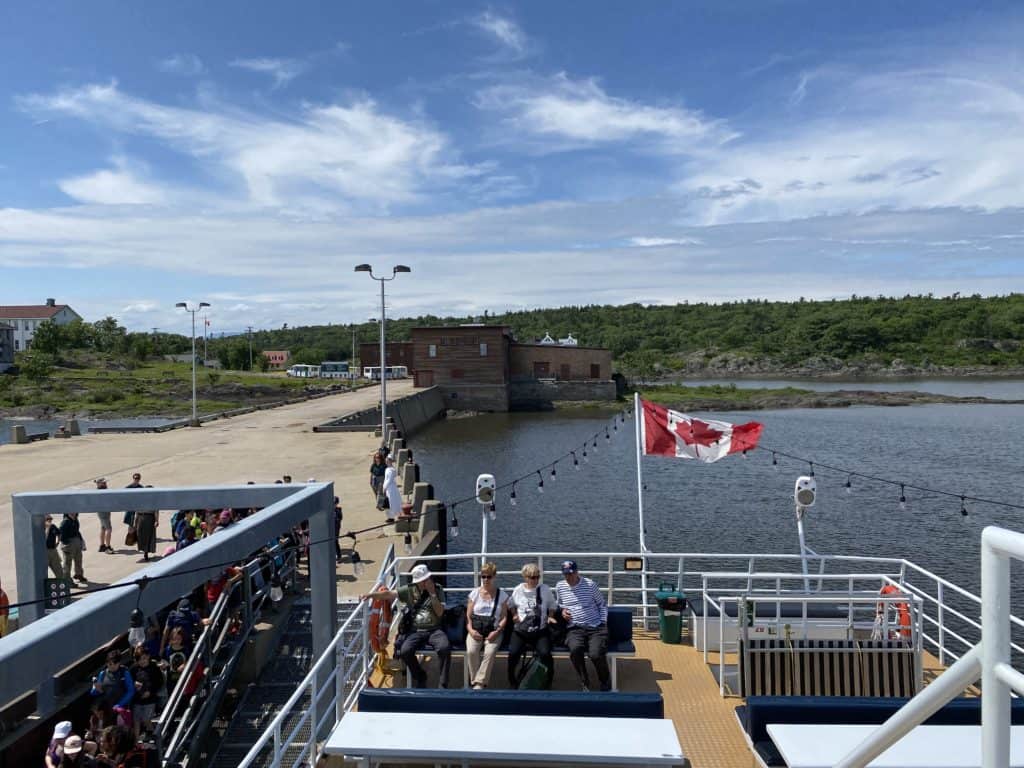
410, 414
476, 397
539, 395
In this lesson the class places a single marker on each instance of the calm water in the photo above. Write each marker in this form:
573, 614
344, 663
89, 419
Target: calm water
1000, 389
37, 426
744, 505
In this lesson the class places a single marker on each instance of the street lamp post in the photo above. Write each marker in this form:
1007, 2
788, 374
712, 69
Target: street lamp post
383, 363
192, 311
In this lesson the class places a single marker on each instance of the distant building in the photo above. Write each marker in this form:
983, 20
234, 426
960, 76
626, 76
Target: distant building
396, 353
6, 346
277, 358
25, 319
481, 367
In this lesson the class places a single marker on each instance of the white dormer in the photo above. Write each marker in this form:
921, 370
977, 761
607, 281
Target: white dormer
568, 341
547, 339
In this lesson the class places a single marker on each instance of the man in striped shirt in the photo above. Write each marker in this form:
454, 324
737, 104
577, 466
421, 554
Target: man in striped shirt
586, 614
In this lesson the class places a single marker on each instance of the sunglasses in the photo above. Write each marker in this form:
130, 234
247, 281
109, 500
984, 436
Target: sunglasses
485, 576
531, 578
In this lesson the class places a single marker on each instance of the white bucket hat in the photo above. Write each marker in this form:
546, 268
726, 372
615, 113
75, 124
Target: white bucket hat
62, 730
420, 573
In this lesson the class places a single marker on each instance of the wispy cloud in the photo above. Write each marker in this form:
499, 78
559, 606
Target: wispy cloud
661, 242
281, 71
182, 64
505, 30
119, 186
582, 112
353, 151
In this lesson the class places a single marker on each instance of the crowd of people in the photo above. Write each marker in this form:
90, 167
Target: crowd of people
535, 612
65, 543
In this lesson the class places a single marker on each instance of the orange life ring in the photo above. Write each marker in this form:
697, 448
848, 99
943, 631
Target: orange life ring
380, 622
902, 610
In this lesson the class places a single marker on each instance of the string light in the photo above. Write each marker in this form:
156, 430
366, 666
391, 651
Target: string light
963, 506
575, 461
607, 436
512, 498
744, 453
595, 445
553, 473
408, 543
492, 511
812, 468
358, 568
453, 531
849, 484
903, 498
585, 458
540, 482
775, 462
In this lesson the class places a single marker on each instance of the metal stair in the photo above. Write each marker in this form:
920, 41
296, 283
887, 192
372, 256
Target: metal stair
267, 696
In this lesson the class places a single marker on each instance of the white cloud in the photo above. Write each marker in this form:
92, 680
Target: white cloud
282, 71
581, 112
119, 186
346, 154
182, 64
659, 242
505, 30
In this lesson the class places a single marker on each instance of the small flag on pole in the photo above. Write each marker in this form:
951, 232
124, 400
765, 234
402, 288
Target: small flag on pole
669, 433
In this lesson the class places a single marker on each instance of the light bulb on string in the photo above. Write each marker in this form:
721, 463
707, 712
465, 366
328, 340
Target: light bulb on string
512, 497
408, 543
812, 468
453, 530
903, 499
276, 588
492, 511
963, 506
575, 462
775, 462
553, 473
585, 457
849, 485
358, 567
137, 628
595, 445
540, 482
607, 436
744, 453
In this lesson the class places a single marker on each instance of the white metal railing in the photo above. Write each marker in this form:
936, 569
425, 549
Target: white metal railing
942, 612
989, 660
341, 672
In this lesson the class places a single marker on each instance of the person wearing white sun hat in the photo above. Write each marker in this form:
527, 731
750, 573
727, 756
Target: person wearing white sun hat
425, 601
55, 750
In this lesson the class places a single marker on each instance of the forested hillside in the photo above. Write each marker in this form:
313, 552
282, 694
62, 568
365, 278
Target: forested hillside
920, 331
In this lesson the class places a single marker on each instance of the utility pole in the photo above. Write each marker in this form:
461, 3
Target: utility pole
249, 332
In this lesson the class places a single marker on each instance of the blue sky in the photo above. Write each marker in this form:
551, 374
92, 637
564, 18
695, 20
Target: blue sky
520, 155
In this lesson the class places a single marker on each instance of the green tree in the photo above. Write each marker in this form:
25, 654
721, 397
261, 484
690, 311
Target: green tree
36, 365
108, 336
49, 338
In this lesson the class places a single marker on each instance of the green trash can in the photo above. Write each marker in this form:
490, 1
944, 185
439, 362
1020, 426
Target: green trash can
671, 604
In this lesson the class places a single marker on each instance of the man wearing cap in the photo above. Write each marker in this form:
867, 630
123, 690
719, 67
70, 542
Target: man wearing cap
426, 602
55, 749
105, 525
586, 614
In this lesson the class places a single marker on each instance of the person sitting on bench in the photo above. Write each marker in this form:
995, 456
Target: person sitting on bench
533, 610
586, 613
426, 601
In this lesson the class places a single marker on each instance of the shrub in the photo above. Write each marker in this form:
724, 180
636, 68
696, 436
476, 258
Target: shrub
106, 395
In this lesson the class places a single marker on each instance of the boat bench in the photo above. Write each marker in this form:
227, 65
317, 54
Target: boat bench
459, 701
760, 711
620, 641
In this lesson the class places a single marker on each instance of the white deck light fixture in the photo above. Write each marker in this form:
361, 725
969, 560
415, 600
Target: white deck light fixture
192, 310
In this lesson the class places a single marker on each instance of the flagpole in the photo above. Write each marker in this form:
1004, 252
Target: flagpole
638, 414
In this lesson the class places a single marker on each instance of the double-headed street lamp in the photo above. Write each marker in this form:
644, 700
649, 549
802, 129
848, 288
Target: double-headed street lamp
192, 310
383, 363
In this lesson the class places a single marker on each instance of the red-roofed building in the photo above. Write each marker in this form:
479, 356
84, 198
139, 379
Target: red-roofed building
25, 319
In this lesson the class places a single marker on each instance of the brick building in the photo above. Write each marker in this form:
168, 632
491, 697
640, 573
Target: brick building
561, 363
470, 364
396, 352
277, 358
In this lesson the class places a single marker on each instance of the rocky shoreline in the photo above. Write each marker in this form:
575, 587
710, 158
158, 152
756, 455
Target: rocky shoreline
778, 399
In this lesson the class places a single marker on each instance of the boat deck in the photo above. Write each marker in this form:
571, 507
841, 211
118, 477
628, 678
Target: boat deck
705, 720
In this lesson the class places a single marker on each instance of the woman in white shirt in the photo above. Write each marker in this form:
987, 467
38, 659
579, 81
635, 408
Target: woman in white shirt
531, 617
487, 613
394, 496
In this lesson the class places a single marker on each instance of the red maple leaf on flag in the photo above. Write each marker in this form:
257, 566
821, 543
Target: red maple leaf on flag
698, 432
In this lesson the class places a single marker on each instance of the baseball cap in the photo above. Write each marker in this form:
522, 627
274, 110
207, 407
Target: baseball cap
73, 745
62, 730
569, 566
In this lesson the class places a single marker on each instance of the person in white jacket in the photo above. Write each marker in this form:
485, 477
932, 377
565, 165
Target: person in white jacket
394, 496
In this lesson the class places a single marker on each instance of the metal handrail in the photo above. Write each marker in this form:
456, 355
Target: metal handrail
178, 719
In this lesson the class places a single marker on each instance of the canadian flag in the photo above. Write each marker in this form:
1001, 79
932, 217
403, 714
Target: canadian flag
670, 433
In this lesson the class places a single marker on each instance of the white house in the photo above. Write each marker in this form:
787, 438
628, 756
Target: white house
25, 319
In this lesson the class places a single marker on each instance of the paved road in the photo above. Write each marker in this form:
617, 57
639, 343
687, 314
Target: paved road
261, 446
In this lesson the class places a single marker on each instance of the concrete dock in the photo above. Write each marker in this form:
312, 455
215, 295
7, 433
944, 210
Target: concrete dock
261, 446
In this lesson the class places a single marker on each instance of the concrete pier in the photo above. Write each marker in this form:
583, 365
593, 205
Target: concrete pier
261, 446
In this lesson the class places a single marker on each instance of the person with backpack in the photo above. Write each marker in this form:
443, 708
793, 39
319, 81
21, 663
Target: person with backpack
184, 617
533, 612
425, 601
487, 612
114, 683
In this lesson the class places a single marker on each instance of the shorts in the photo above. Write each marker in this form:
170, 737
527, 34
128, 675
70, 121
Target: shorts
144, 712
104, 521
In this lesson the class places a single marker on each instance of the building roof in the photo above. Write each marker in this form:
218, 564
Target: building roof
467, 327
31, 311
275, 352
